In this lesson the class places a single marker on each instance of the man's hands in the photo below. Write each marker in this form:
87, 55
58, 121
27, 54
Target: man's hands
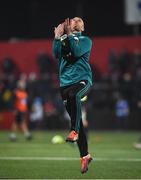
61, 28
59, 31
67, 26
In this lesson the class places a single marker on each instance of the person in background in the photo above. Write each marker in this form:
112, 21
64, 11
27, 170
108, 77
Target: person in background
37, 113
20, 111
122, 112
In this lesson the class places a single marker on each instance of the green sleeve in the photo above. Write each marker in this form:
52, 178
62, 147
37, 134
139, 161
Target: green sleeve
80, 46
57, 48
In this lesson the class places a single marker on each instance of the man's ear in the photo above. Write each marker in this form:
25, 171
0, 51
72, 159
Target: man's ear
82, 28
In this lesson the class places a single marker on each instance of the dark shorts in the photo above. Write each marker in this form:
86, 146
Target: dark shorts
72, 86
20, 116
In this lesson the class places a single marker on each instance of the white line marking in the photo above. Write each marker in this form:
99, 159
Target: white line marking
69, 159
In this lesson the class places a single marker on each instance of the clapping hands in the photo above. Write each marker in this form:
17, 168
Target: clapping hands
59, 31
63, 28
67, 26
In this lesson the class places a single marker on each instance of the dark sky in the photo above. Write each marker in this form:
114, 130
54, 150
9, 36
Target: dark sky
36, 18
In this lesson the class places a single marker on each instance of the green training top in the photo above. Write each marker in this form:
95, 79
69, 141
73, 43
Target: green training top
73, 52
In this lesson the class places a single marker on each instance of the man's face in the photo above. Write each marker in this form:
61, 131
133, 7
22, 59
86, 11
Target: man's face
77, 24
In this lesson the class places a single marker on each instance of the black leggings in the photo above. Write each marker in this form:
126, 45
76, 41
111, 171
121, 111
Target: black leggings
71, 96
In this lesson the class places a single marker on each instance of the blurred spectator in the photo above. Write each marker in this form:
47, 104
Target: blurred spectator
57, 101
20, 111
112, 61
8, 84
125, 62
9, 67
113, 66
7, 99
122, 112
126, 86
46, 63
37, 113
32, 77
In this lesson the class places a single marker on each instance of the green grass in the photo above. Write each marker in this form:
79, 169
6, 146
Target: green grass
115, 157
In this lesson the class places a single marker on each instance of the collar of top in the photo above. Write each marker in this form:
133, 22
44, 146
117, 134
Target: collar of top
77, 33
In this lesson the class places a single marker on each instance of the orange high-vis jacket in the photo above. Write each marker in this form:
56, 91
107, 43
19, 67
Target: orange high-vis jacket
21, 100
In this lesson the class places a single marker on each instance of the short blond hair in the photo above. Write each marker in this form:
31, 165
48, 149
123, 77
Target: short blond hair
78, 19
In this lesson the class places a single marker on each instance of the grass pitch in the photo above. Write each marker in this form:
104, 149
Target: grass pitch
114, 157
